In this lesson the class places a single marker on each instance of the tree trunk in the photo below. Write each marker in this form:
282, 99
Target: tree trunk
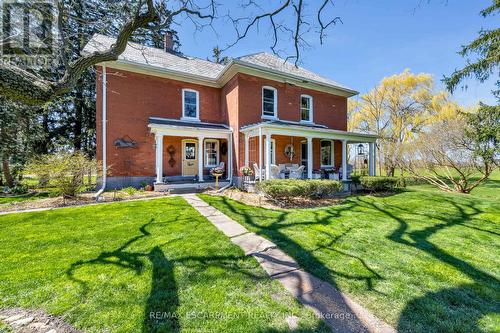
79, 105
9, 181
390, 171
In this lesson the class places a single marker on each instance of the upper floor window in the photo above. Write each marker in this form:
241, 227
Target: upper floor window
306, 108
269, 102
190, 104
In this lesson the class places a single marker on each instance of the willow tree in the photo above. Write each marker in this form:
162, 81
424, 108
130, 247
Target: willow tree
396, 109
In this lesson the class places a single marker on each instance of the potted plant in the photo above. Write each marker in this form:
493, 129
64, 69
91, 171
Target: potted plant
217, 171
247, 173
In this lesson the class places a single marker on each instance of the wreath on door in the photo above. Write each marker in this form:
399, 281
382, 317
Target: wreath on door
289, 151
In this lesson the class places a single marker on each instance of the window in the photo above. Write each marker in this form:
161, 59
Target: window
211, 153
273, 152
303, 153
190, 151
190, 104
326, 153
269, 102
306, 108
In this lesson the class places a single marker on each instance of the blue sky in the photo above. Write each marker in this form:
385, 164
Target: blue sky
376, 39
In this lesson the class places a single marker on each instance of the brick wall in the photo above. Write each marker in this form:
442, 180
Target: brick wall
132, 98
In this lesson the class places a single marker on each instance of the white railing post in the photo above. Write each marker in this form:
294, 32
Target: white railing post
200, 158
260, 153
230, 156
268, 155
344, 160
246, 148
159, 158
371, 159
309, 157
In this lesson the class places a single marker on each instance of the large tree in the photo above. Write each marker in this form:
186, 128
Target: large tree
486, 48
19, 84
457, 154
19, 130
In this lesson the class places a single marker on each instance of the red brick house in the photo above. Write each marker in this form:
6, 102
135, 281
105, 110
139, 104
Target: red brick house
165, 117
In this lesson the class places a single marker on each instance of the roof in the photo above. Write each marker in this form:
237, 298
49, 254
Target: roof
297, 129
285, 122
270, 61
180, 123
158, 59
151, 56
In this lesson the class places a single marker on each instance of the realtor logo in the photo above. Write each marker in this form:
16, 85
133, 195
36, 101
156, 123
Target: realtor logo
27, 31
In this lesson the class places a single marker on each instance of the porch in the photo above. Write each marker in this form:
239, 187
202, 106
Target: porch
187, 151
278, 149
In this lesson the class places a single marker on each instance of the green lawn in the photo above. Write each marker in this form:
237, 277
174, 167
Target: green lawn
423, 260
108, 267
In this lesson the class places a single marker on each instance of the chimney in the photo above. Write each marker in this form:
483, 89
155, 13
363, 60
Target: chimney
168, 42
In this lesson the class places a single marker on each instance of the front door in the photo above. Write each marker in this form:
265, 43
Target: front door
189, 158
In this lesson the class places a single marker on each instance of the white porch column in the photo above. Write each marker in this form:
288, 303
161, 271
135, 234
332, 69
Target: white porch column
247, 137
344, 160
371, 159
260, 153
309, 157
200, 158
159, 158
268, 155
230, 156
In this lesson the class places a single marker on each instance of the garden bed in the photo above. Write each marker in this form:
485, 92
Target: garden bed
40, 202
259, 200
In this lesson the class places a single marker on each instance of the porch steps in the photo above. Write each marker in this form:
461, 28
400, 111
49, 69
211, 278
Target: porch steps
180, 187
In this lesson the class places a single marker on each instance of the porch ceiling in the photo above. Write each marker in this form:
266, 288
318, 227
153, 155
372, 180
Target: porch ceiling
306, 130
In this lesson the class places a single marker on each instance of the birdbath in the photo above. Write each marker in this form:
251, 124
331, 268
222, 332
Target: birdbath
217, 175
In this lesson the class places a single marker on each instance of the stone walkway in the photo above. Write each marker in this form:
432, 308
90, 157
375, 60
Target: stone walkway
338, 310
34, 321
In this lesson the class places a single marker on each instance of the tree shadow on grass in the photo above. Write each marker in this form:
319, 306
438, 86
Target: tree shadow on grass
455, 309
160, 309
306, 258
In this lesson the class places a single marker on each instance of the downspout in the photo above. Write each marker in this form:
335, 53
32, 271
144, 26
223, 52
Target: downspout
104, 167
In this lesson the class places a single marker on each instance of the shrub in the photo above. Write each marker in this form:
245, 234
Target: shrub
18, 189
290, 188
379, 183
130, 190
65, 171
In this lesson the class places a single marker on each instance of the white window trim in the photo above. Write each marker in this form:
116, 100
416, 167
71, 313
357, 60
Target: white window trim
332, 152
183, 117
275, 116
217, 157
311, 109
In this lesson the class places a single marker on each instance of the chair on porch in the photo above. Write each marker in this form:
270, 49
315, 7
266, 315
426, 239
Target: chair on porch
257, 172
274, 172
296, 173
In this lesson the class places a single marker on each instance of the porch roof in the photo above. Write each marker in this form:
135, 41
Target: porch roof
280, 127
175, 127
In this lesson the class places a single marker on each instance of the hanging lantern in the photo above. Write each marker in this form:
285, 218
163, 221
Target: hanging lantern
361, 149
